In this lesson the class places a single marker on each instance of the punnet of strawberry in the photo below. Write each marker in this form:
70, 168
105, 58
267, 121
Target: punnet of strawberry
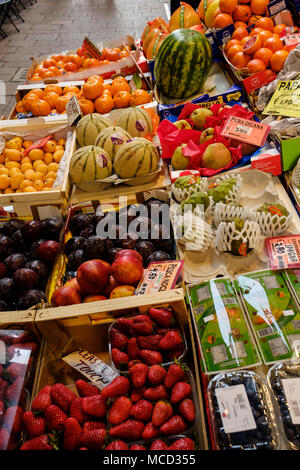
17, 349
151, 338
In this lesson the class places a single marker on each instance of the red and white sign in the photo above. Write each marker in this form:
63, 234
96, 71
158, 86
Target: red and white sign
245, 130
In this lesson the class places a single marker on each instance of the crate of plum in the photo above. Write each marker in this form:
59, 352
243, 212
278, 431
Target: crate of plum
241, 412
18, 351
284, 380
155, 337
106, 250
28, 249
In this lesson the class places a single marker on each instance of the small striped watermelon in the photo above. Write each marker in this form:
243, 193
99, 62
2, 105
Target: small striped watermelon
89, 127
111, 139
136, 121
89, 163
183, 63
136, 158
154, 46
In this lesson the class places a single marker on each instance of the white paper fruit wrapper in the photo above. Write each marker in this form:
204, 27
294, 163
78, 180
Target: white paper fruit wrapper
198, 235
296, 174
181, 194
272, 225
235, 193
226, 233
225, 212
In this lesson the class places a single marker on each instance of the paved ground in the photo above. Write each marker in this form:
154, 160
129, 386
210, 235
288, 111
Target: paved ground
56, 25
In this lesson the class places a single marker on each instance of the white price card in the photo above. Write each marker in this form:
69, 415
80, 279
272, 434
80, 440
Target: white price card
2, 352
291, 389
73, 110
235, 409
21, 356
91, 367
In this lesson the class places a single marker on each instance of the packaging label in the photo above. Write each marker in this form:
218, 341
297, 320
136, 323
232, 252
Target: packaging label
285, 100
291, 389
90, 50
73, 110
283, 252
257, 80
276, 6
235, 409
91, 367
21, 356
2, 352
293, 279
291, 40
245, 130
159, 277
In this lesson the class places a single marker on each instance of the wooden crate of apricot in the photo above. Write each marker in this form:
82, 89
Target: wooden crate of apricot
34, 163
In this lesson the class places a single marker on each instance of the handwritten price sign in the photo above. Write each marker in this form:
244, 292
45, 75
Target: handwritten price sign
245, 130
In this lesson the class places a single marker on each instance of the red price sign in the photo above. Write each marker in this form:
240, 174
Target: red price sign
245, 130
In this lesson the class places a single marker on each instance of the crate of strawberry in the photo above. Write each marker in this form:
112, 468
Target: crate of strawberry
155, 337
180, 443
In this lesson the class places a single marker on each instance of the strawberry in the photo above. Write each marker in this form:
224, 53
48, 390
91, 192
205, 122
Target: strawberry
4, 438
163, 317
91, 425
187, 410
150, 432
137, 394
120, 410
15, 370
76, 411
138, 375
94, 406
170, 341
85, 389
94, 439
43, 442
133, 349
123, 324
142, 410
159, 445
15, 336
175, 373
119, 386
149, 342
129, 430
117, 445
3, 388
72, 434
15, 392
133, 361
62, 396
164, 331
175, 425
141, 325
173, 354
42, 400
83, 448
151, 357
137, 447
185, 443
180, 391
34, 425
1, 410
118, 339
156, 393
156, 374
161, 413
13, 418
55, 418
1, 370
120, 359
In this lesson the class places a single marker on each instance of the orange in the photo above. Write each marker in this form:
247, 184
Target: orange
244, 1
140, 97
279, 28
240, 60
70, 89
11, 164
13, 154
25, 167
265, 23
29, 189
58, 155
256, 65
50, 146
231, 42
61, 141
53, 88
259, 7
37, 91
49, 63
92, 88
36, 163
86, 106
245, 39
240, 24
263, 54
274, 44
16, 180
270, 74
107, 86
234, 50
104, 104
36, 78
40, 108
222, 20
36, 154
24, 184
70, 67
278, 59
239, 33
29, 174
43, 168
61, 102
242, 13
4, 181
38, 185
122, 99
119, 84
51, 98
264, 35
227, 6
255, 31
27, 144
28, 100
252, 45
253, 19
76, 59
111, 54
53, 167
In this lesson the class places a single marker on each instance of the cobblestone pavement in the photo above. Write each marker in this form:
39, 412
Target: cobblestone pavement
56, 25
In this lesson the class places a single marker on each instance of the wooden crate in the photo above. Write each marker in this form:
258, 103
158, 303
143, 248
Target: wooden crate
64, 329
23, 203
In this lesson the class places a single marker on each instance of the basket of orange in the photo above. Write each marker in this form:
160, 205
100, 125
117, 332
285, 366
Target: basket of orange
34, 163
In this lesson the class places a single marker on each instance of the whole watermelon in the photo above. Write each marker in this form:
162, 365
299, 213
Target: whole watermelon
183, 63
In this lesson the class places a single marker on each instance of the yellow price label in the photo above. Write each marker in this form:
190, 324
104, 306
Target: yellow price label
285, 100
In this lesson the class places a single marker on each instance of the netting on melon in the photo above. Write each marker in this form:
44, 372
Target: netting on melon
296, 174
227, 233
193, 233
272, 225
182, 193
232, 194
226, 213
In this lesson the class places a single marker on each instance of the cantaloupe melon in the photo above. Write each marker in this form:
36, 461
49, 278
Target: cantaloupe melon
136, 158
136, 121
111, 139
89, 127
90, 163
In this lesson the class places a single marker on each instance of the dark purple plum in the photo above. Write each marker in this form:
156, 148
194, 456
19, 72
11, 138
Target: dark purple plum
30, 298
25, 278
95, 248
88, 231
15, 261
75, 243
145, 248
78, 222
7, 289
32, 230
75, 259
11, 226
34, 247
158, 256
130, 241
143, 226
7, 247
112, 253
48, 251
161, 237
52, 227
109, 244
3, 270
39, 267
19, 242
152, 205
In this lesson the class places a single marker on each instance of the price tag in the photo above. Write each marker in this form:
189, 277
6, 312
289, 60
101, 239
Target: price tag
284, 252
21, 356
73, 109
291, 389
285, 100
91, 367
159, 277
90, 50
291, 40
245, 130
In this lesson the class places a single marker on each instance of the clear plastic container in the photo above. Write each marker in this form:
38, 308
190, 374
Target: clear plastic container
284, 380
241, 412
